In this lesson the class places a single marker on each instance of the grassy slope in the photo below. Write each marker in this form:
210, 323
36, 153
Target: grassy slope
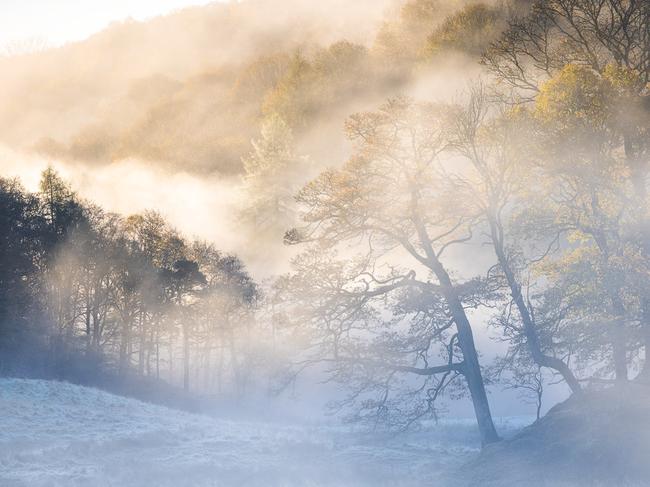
601, 438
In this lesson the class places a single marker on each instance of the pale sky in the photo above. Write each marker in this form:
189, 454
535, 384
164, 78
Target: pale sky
61, 21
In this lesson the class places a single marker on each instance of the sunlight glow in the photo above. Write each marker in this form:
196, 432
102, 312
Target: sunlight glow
57, 22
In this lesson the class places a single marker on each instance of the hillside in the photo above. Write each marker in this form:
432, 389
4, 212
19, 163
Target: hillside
188, 90
183, 89
173, 105
602, 438
58, 434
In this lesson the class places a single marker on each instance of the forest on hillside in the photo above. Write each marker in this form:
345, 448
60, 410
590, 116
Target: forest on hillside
450, 170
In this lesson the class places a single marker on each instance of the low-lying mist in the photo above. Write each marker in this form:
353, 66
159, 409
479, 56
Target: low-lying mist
404, 216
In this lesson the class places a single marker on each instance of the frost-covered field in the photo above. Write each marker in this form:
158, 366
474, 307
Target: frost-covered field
57, 434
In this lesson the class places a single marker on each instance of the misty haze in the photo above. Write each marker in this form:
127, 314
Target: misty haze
335, 243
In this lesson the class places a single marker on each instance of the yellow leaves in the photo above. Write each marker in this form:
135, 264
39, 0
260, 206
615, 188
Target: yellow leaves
623, 80
579, 270
274, 150
577, 237
469, 30
260, 75
400, 40
580, 96
576, 95
578, 116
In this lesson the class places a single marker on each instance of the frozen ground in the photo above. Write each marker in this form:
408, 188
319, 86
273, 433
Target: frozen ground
57, 434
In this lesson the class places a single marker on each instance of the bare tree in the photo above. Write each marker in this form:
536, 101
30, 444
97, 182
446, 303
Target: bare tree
391, 197
495, 185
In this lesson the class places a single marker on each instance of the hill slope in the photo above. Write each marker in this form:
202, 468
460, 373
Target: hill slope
601, 438
58, 434
188, 91
181, 90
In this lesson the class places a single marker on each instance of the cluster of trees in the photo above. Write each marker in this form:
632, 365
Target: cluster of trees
100, 292
85, 294
298, 96
190, 108
546, 165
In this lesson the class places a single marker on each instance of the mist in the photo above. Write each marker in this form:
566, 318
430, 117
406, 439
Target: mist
280, 242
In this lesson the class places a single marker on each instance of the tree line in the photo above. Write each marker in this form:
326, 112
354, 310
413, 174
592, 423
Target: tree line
86, 293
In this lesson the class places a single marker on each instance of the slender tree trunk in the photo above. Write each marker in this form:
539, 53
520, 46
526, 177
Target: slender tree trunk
96, 331
620, 357
207, 364
157, 359
638, 170
220, 367
150, 343
234, 364
143, 340
644, 375
170, 351
186, 357
158, 349
618, 340
125, 345
88, 329
617, 333
530, 330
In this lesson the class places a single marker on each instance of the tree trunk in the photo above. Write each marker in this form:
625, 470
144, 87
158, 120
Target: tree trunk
143, 340
618, 339
619, 354
221, 350
644, 375
530, 330
186, 358
125, 339
638, 167
88, 329
96, 332
471, 368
